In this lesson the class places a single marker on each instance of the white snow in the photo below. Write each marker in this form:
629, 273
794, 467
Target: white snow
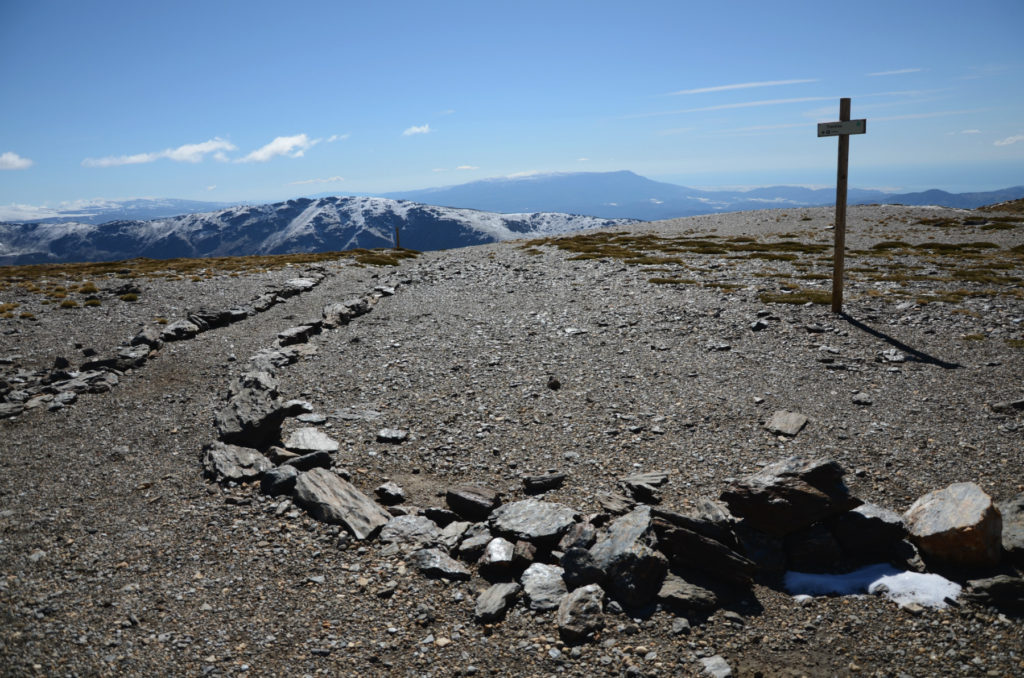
901, 587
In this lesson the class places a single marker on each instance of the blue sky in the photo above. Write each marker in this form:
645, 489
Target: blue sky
253, 101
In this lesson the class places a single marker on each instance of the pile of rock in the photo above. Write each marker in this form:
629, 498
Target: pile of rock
61, 385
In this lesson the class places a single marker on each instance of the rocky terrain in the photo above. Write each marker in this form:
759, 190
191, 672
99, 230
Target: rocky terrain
602, 388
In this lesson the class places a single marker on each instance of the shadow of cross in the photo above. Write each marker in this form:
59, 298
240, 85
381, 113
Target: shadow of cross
912, 353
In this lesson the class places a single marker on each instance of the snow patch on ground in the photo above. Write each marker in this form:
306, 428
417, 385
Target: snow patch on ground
903, 588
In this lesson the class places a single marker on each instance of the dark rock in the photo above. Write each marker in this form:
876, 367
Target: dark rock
553, 383
330, 499
686, 548
707, 517
225, 463
411, 531
1008, 407
579, 568
812, 549
472, 547
299, 334
681, 594
1012, 512
472, 502
868, 532
309, 461
436, 564
581, 614
280, 480
254, 413
543, 586
1003, 592
957, 525
523, 555
441, 516
494, 603
538, 484
390, 494
539, 522
581, 535
790, 495
632, 568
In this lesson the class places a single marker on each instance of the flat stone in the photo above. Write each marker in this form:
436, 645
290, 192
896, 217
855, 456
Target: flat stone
790, 495
225, 463
310, 439
687, 548
411, 531
453, 533
148, 336
537, 484
957, 525
1008, 406
472, 502
299, 334
786, 423
437, 564
681, 594
533, 520
706, 516
642, 486
543, 586
330, 499
305, 462
615, 503
1003, 592
581, 614
494, 603
393, 436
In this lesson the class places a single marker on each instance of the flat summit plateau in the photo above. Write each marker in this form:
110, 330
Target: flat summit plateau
662, 348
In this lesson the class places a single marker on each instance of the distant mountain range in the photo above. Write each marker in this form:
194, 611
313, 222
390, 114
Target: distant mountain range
616, 195
102, 211
301, 225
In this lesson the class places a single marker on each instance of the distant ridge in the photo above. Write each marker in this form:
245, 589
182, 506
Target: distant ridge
624, 194
301, 225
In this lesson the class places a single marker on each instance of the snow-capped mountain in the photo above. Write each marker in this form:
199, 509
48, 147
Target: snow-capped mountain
100, 211
302, 225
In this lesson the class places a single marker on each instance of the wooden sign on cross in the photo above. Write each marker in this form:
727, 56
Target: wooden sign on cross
842, 129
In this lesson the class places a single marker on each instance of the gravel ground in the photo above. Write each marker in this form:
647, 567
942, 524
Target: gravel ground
118, 558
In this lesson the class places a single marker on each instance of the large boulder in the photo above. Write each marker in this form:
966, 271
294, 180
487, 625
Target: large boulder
330, 499
493, 604
869, 532
790, 495
632, 568
254, 411
957, 525
687, 548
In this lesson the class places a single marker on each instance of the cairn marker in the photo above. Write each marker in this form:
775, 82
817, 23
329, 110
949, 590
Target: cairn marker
842, 129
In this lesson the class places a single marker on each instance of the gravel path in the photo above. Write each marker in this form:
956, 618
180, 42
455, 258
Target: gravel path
118, 558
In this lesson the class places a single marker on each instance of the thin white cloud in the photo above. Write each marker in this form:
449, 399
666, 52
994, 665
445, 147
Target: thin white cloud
527, 173
900, 71
448, 111
293, 147
439, 169
416, 129
1009, 140
970, 131
193, 153
722, 107
337, 137
12, 161
326, 180
582, 159
210, 188
467, 167
742, 85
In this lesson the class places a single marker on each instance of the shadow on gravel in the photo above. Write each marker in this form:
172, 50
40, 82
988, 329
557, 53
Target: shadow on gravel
912, 353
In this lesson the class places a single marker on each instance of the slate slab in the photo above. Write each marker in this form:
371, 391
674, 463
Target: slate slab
532, 520
494, 603
330, 499
225, 463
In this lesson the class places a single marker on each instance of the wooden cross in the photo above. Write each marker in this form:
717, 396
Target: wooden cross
842, 129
